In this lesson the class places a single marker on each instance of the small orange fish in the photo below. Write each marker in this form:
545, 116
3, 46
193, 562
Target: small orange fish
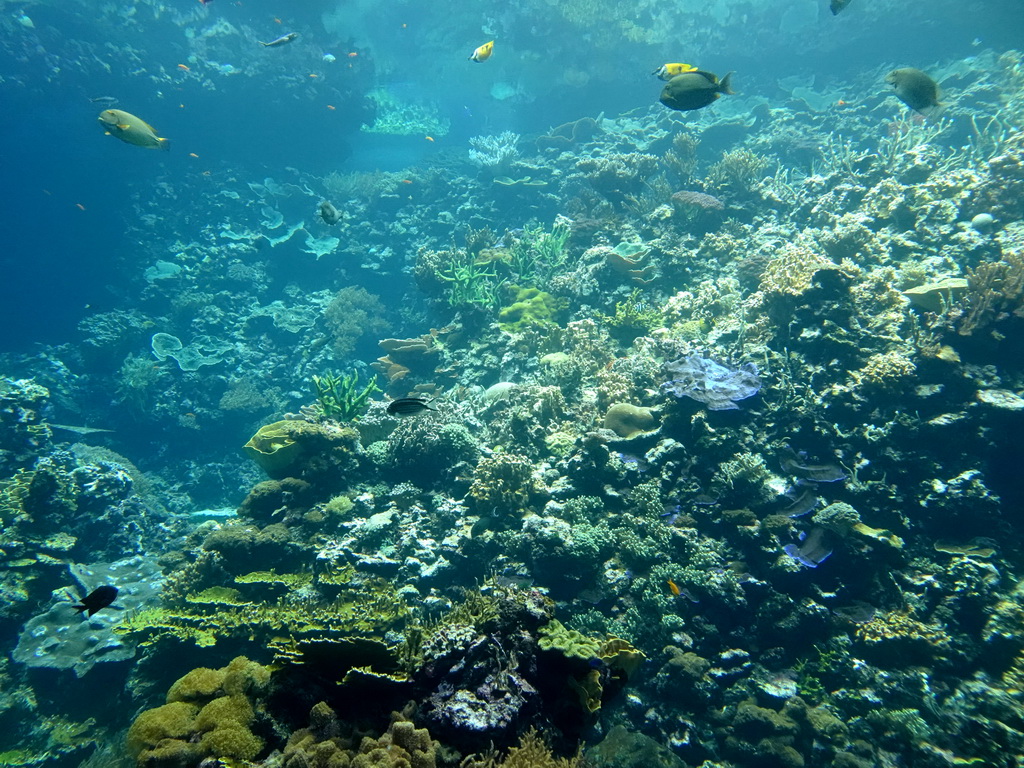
330, 107
407, 181
673, 587
352, 54
841, 103
184, 68
429, 138
80, 206
192, 154
313, 74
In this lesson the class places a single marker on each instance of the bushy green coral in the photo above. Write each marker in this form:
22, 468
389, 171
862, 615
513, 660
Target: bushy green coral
537, 255
634, 316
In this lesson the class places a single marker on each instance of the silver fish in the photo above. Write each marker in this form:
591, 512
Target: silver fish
283, 40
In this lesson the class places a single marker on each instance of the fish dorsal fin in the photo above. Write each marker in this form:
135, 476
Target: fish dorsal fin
148, 126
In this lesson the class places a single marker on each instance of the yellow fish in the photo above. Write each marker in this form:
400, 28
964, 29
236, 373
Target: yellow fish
131, 129
668, 71
483, 53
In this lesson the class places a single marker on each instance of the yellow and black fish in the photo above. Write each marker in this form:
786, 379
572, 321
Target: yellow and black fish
483, 53
131, 129
668, 71
915, 89
694, 90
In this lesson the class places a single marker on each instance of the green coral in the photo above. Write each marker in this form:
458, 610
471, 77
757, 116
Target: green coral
634, 316
536, 255
339, 396
470, 282
569, 642
532, 307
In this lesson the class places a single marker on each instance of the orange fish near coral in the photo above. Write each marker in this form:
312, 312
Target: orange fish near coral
673, 587
183, 68
483, 53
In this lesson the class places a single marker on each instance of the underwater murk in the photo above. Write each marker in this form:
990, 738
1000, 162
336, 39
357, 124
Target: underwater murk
535, 383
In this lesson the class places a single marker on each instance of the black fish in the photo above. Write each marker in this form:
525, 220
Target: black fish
408, 406
100, 597
837, 6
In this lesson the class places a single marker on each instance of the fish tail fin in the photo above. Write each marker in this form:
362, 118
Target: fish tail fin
725, 86
165, 144
80, 608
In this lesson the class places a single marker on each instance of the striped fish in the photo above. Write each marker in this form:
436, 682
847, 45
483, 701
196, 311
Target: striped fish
409, 406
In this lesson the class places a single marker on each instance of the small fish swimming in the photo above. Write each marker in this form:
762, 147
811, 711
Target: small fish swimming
131, 129
107, 102
283, 40
668, 71
694, 90
483, 52
837, 6
99, 598
915, 89
329, 213
408, 406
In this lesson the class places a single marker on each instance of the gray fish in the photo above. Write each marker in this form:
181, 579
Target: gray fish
283, 40
106, 102
836, 6
408, 406
329, 213
694, 90
915, 89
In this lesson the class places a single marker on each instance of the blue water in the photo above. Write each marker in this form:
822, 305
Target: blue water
259, 136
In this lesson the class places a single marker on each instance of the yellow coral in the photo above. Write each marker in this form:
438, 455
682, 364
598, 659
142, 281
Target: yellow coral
170, 721
225, 709
200, 683
232, 741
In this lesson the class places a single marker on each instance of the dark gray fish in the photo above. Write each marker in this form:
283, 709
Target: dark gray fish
283, 40
837, 6
99, 598
408, 406
694, 90
915, 89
